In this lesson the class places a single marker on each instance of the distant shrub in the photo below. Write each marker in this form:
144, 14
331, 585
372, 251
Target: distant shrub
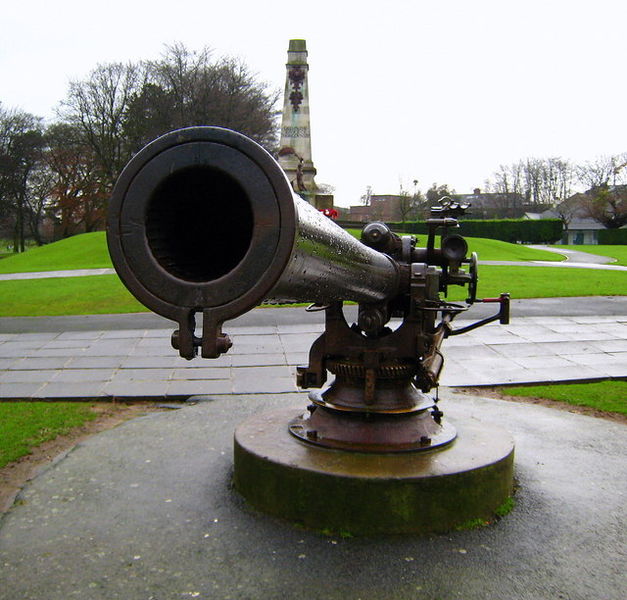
508, 230
612, 237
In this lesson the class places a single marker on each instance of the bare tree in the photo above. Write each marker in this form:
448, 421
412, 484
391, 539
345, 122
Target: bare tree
560, 176
98, 106
77, 198
365, 199
606, 199
609, 207
542, 182
186, 88
37, 200
604, 170
21, 145
568, 209
405, 205
435, 192
508, 180
121, 107
410, 205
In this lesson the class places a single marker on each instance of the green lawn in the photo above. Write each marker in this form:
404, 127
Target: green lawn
105, 293
498, 250
96, 294
84, 251
102, 294
617, 252
89, 251
25, 425
545, 282
608, 396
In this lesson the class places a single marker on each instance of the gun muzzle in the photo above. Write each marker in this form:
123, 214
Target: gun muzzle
203, 219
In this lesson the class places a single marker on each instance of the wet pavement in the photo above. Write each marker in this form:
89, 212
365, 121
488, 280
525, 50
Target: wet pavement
146, 511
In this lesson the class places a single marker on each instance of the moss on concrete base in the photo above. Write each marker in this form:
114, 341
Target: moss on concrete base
368, 494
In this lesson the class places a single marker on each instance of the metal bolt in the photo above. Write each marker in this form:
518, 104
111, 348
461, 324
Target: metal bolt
223, 343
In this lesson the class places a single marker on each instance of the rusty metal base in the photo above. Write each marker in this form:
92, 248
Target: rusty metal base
342, 430
371, 493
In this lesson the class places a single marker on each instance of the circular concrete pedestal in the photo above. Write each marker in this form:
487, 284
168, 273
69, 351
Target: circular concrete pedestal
360, 494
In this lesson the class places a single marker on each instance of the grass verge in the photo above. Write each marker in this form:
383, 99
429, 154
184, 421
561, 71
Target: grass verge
604, 396
25, 425
545, 282
84, 251
105, 294
97, 294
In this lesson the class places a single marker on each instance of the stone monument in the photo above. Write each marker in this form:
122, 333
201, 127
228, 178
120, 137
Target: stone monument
295, 146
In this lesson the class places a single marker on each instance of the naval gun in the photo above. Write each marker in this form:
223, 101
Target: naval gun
203, 222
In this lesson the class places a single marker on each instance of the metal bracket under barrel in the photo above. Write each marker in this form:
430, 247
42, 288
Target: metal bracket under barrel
315, 374
345, 343
183, 338
213, 342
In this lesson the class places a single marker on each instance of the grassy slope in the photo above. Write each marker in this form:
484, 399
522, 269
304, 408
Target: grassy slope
617, 252
498, 250
84, 251
24, 425
609, 396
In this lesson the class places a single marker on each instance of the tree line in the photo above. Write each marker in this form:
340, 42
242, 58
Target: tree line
551, 183
541, 184
65, 170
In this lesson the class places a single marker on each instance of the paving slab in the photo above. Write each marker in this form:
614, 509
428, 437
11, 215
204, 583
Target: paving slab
528, 350
147, 511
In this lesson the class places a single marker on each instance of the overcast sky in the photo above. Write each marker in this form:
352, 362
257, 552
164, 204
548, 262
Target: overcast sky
400, 91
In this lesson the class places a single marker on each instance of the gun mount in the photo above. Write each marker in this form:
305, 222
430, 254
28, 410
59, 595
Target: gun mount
203, 221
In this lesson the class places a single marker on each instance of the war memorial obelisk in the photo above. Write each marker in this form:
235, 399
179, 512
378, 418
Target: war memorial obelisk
295, 145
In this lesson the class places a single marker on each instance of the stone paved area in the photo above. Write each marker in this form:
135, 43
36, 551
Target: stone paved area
141, 363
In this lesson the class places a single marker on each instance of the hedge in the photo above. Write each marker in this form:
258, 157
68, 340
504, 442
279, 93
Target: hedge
508, 230
612, 237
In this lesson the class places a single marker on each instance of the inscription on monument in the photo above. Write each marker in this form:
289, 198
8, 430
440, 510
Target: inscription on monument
296, 132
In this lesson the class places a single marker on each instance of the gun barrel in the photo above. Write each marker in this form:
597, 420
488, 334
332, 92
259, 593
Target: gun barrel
203, 219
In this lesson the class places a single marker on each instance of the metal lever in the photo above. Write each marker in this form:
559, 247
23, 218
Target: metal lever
502, 316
